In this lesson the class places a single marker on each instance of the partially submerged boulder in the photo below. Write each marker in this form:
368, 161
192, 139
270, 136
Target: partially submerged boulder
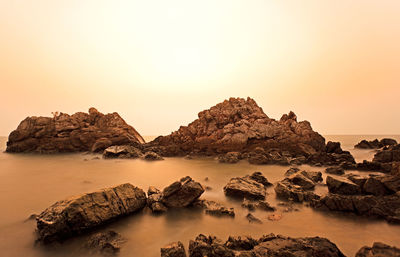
340, 185
250, 186
108, 243
182, 193
77, 214
79, 132
214, 208
122, 151
378, 250
289, 191
175, 249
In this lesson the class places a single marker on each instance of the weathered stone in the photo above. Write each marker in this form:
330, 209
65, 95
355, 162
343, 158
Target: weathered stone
333, 147
291, 171
77, 214
108, 242
122, 151
253, 219
286, 190
260, 178
373, 185
208, 246
153, 190
152, 156
315, 176
388, 154
340, 185
182, 193
378, 250
214, 208
375, 144
302, 181
335, 170
175, 249
246, 187
241, 243
230, 157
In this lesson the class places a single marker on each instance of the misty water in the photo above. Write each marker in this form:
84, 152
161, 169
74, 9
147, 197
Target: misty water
30, 183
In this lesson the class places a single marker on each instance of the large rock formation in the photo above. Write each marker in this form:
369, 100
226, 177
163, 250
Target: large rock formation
91, 131
240, 125
77, 214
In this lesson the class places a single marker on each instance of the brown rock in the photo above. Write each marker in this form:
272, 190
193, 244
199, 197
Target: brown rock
175, 249
182, 193
378, 250
340, 185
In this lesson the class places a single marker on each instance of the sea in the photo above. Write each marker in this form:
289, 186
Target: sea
29, 183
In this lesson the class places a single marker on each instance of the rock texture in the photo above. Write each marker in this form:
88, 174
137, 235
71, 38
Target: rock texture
388, 154
91, 131
378, 250
181, 193
77, 214
175, 249
251, 186
214, 208
107, 243
267, 245
375, 144
240, 125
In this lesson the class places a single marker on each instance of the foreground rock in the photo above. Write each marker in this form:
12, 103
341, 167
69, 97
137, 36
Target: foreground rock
77, 214
181, 193
175, 249
378, 250
267, 245
375, 144
240, 125
91, 131
108, 243
214, 208
250, 186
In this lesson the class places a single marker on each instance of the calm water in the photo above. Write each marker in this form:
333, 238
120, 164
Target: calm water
30, 183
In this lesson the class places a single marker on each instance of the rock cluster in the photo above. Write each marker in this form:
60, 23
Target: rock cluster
91, 131
332, 156
378, 250
375, 144
267, 245
77, 214
251, 186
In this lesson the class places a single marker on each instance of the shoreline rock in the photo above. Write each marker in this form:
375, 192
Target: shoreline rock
250, 186
375, 144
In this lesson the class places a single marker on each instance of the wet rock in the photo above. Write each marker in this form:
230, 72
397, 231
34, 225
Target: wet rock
175, 249
340, 185
79, 132
289, 191
122, 151
247, 186
304, 182
262, 205
230, 157
77, 214
388, 154
252, 219
333, 147
386, 207
315, 176
214, 208
335, 170
155, 204
182, 193
375, 144
108, 243
152, 156
209, 246
378, 250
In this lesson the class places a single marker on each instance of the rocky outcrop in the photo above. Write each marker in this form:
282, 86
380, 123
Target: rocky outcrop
91, 131
214, 208
343, 186
250, 186
107, 243
175, 249
388, 154
240, 125
267, 245
181, 193
375, 144
378, 250
77, 214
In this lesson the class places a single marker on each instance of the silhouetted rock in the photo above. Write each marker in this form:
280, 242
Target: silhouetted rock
240, 125
252, 187
333, 147
108, 242
182, 193
76, 214
214, 208
79, 132
175, 249
340, 185
375, 144
378, 250
122, 151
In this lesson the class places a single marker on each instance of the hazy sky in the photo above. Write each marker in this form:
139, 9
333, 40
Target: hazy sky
158, 63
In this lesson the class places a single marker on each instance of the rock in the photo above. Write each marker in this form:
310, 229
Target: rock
241, 243
333, 147
245, 187
378, 250
240, 125
152, 156
182, 193
252, 219
274, 217
387, 207
388, 154
153, 190
302, 181
373, 166
331, 159
122, 151
374, 186
291, 171
315, 176
79, 132
251, 206
289, 191
158, 207
77, 214
230, 157
209, 246
375, 144
175, 249
391, 183
335, 170
340, 185
214, 208
260, 178
108, 242
262, 205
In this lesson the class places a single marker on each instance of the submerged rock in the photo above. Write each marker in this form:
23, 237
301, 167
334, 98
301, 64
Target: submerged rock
214, 208
335, 170
152, 156
182, 193
175, 249
79, 132
375, 144
252, 187
253, 219
108, 242
77, 214
378, 250
122, 151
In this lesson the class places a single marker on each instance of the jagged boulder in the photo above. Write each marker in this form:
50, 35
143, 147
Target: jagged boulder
289, 191
340, 185
77, 214
181, 193
378, 250
91, 131
388, 154
252, 187
175, 249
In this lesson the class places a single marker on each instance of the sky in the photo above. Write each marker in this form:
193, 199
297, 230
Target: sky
158, 63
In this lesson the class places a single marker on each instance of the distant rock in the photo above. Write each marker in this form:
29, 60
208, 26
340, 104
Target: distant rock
181, 193
378, 250
250, 186
77, 214
108, 242
375, 144
79, 132
175, 249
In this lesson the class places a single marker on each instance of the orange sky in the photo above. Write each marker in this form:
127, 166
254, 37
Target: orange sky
158, 63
